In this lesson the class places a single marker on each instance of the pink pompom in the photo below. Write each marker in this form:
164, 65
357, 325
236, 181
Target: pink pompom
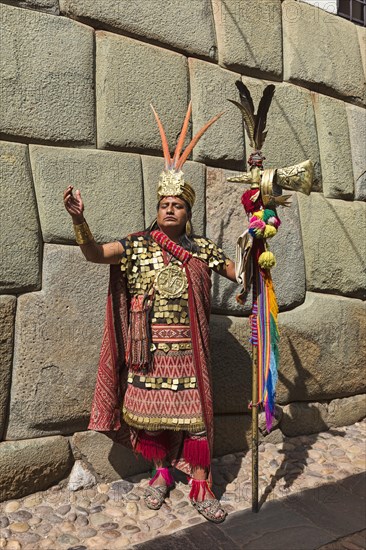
256, 223
276, 222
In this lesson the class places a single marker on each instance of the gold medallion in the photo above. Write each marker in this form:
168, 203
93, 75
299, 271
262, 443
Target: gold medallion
171, 281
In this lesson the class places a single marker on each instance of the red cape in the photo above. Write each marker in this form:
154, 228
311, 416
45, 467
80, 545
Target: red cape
111, 381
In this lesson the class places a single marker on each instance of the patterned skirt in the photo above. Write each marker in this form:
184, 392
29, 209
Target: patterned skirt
167, 398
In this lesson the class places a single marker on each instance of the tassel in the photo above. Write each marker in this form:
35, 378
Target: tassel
196, 452
267, 213
266, 260
138, 356
196, 485
165, 474
269, 417
272, 374
152, 447
269, 232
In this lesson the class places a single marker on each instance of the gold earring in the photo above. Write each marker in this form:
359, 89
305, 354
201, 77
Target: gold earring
188, 228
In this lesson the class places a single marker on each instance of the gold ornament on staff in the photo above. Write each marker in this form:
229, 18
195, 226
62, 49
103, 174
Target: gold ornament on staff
265, 191
295, 178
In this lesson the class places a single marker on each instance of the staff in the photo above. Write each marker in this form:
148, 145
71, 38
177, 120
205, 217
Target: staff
254, 260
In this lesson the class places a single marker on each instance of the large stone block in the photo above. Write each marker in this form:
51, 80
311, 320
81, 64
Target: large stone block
7, 315
232, 433
346, 411
322, 353
110, 184
125, 70
20, 235
292, 135
289, 272
308, 418
49, 6
240, 28
304, 418
231, 364
327, 5
110, 460
58, 334
357, 132
333, 237
322, 349
211, 86
361, 31
194, 172
187, 27
226, 220
334, 146
32, 465
46, 86
321, 51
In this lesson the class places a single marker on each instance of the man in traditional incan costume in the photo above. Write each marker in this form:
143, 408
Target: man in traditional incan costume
153, 386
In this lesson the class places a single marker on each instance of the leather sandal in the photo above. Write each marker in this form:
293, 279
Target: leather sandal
207, 508
158, 492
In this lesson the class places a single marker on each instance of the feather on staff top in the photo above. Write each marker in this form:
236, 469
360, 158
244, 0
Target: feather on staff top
255, 124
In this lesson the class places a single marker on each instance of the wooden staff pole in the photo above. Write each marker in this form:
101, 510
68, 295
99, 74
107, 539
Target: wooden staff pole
255, 457
254, 429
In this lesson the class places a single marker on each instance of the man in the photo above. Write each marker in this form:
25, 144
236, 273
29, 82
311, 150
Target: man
154, 367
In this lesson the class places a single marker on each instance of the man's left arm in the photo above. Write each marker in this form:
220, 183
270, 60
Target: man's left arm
227, 270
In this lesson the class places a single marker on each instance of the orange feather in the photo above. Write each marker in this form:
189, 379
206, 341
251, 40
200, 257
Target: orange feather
164, 140
195, 139
183, 134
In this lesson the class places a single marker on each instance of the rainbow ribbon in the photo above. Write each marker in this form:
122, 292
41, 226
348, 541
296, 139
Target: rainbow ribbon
265, 336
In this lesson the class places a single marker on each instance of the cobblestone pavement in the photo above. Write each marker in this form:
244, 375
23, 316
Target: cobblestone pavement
113, 516
357, 541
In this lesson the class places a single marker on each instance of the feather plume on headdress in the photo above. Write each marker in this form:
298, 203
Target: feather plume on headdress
171, 180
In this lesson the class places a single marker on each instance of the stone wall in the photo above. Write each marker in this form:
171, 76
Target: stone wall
77, 78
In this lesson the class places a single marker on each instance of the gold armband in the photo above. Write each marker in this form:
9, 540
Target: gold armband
83, 234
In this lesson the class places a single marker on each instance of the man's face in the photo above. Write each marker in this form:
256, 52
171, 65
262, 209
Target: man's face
172, 214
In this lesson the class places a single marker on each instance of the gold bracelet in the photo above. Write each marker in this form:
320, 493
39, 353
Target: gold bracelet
83, 234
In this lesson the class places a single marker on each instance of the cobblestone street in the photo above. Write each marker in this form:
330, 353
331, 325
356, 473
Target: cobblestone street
113, 516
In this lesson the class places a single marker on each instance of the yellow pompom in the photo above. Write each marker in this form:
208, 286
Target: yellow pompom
266, 260
269, 232
259, 214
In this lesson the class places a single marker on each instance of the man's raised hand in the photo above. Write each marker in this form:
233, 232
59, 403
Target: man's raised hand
74, 204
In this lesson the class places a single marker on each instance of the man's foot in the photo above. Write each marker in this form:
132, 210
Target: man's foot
158, 488
205, 501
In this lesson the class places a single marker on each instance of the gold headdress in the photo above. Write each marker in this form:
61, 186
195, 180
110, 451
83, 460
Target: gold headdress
171, 180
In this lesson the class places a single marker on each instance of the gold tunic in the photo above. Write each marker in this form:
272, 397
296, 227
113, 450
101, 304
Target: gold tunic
143, 263
168, 397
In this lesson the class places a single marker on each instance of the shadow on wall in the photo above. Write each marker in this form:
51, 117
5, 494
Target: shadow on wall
231, 365
297, 386
223, 291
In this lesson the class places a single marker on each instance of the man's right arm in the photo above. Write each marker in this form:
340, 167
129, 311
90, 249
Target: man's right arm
109, 253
